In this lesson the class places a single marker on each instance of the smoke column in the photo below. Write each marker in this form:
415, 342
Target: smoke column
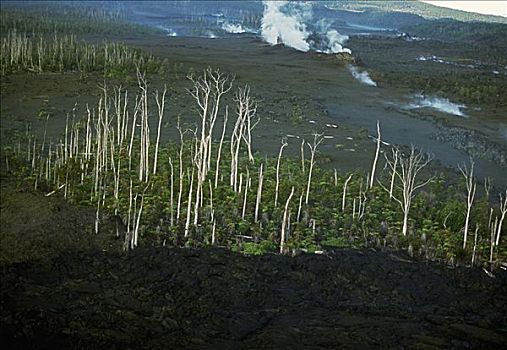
336, 41
291, 24
287, 28
363, 76
236, 28
438, 103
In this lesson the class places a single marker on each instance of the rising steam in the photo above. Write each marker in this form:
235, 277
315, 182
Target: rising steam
438, 103
363, 76
236, 28
290, 23
335, 42
288, 28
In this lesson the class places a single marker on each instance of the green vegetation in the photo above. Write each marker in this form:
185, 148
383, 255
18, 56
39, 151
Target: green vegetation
37, 53
41, 37
105, 160
207, 192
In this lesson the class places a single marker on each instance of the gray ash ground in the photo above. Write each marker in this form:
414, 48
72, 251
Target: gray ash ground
160, 298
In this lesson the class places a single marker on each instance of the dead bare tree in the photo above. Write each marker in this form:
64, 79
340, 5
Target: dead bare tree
372, 178
160, 104
135, 236
299, 207
180, 156
395, 157
189, 203
217, 169
171, 197
208, 92
133, 131
362, 200
471, 185
145, 128
317, 140
128, 234
503, 211
492, 241
259, 194
345, 191
303, 156
475, 243
284, 144
284, 222
406, 170
246, 110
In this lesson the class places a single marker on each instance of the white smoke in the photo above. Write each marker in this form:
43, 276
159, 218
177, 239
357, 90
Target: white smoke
363, 76
438, 103
234, 28
287, 28
336, 41
291, 24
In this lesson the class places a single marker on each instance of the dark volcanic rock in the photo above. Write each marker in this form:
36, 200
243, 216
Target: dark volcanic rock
159, 298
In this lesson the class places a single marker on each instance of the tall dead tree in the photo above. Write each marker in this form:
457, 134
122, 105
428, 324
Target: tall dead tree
259, 194
372, 178
242, 132
284, 144
219, 153
180, 167
317, 140
303, 156
171, 196
471, 186
503, 211
284, 222
344, 195
145, 128
160, 104
208, 92
189, 203
396, 156
406, 171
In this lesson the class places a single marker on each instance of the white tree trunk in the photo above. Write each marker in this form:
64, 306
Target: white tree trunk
284, 144
284, 221
259, 195
344, 195
503, 211
160, 105
374, 166
189, 205
471, 185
